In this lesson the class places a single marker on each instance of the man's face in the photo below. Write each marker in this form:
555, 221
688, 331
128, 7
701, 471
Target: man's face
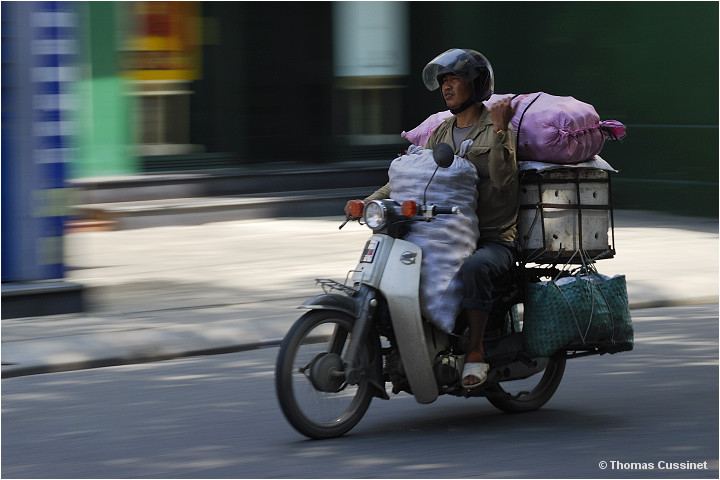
455, 91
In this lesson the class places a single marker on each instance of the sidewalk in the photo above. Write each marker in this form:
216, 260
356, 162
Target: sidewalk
164, 292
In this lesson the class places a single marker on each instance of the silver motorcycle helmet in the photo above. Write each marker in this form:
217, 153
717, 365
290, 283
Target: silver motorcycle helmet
469, 65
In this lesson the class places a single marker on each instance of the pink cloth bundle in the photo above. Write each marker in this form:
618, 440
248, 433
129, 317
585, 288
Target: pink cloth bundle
420, 134
558, 129
549, 128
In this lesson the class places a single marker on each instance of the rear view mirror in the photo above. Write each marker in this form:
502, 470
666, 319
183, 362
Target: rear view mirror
443, 155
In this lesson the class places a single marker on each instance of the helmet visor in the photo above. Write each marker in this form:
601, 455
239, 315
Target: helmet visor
456, 61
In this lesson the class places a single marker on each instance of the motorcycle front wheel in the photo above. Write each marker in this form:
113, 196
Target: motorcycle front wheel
529, 394
309, 375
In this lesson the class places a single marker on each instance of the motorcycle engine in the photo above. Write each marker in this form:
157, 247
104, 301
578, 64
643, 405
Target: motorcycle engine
447, 369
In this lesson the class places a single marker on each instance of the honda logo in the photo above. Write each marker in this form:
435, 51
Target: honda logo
408, 258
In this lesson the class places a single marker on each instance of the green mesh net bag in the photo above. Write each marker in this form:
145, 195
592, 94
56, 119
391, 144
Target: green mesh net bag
584, 312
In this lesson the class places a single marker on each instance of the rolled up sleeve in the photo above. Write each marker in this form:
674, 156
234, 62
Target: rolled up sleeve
502, 161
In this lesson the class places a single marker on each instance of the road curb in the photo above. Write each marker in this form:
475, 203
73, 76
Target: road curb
11, 371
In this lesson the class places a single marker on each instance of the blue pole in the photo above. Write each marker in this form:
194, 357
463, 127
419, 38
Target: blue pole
40, 49
39, 69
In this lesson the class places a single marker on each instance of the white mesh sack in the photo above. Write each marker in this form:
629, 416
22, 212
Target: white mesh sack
446, 241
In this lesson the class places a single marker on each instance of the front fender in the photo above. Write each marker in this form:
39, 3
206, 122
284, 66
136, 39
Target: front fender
333, 301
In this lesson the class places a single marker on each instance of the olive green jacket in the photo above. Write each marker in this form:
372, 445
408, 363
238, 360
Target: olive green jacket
493, 155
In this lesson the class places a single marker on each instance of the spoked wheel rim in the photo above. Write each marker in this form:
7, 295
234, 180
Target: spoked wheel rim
312, 389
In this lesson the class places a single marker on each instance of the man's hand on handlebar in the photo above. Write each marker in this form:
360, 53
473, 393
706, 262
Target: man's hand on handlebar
348, 215
347, 209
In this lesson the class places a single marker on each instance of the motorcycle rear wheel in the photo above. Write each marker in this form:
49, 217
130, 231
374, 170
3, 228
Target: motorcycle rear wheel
309, 380
522, 396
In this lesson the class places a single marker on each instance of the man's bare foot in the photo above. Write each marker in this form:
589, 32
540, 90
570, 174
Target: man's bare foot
474, 374
473, 380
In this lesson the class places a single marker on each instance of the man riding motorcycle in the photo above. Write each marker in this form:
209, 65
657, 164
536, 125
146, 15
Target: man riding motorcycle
466, 79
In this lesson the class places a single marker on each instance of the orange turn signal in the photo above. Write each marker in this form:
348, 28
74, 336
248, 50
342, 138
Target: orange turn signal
357, 207
409, 208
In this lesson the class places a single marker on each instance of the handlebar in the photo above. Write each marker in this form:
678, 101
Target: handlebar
415, 213
447, 210
349, 219
430, 211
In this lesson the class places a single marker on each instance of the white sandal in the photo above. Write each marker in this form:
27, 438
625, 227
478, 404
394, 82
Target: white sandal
475, 369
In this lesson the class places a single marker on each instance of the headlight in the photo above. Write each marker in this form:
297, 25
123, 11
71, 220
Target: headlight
375, 214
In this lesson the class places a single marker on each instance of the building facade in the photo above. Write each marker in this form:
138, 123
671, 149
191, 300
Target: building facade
101, 89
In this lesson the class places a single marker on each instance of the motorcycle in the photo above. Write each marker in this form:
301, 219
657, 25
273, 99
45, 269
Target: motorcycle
369, 330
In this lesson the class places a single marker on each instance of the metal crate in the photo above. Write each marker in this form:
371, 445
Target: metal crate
564, 212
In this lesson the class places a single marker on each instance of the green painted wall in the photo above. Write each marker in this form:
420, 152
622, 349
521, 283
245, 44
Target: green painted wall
651, 65
104, 137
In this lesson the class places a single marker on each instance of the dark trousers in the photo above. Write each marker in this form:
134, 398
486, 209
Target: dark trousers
481, 270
